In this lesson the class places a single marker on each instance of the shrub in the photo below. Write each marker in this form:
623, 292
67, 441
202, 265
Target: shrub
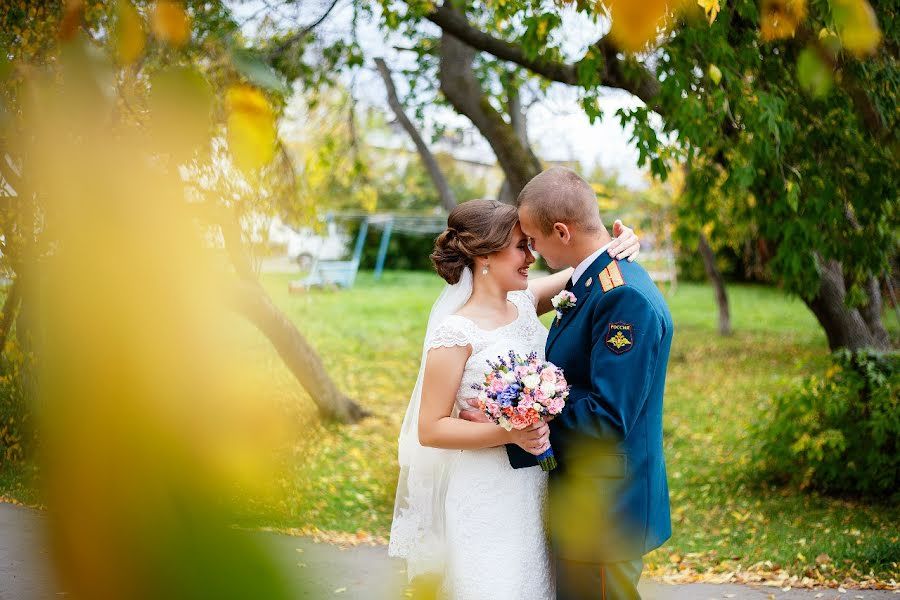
839, 434
16, 432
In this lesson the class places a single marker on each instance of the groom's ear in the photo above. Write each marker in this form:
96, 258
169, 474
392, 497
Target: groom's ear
562, 231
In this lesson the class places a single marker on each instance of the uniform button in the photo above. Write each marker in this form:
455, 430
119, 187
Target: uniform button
588, 282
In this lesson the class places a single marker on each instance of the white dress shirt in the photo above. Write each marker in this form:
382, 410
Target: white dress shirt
583, 265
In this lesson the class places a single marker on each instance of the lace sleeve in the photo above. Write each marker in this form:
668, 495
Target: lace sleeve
527, 296
451, 332
531, 297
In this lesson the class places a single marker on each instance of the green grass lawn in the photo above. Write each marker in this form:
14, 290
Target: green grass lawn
341, 478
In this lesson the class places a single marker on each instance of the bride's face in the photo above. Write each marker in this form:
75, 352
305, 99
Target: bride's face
509, 267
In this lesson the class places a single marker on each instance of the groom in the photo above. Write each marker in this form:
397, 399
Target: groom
609, 498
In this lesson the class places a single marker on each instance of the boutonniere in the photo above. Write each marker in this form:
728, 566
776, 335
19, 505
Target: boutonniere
562, 302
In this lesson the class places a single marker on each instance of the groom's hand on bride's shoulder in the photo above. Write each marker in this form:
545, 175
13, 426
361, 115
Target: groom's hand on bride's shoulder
625, 242
473, 414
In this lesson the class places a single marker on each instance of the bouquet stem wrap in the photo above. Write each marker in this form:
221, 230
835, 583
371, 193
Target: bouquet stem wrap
547, 460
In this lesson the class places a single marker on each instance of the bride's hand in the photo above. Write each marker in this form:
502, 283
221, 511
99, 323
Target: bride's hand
625, 242
534, 439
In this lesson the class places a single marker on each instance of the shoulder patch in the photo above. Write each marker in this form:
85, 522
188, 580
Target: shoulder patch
610, 277
620, 337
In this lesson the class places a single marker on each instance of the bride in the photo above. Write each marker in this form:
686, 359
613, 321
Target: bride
462, 513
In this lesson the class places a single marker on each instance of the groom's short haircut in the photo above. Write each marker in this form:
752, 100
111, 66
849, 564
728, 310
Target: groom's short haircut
560, 195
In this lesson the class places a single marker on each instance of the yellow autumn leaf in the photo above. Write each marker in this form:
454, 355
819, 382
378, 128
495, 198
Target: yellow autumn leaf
780, 18
251, 127
635, 25
857, 26
129, 33
171, 23
711, 8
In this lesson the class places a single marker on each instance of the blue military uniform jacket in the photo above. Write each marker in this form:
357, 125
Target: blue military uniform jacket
609, 495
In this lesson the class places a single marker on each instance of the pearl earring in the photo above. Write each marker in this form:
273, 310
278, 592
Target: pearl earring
484, 269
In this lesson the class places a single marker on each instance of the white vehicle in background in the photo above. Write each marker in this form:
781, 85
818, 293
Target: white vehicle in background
304, 246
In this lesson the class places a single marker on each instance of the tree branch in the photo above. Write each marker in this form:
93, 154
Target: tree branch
448, 199
462, 89
253, 302
455, 23
642, 83
289, 41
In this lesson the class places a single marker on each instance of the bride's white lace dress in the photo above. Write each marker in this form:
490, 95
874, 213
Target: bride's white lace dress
495, 534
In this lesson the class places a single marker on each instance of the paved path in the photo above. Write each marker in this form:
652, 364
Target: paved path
323, 571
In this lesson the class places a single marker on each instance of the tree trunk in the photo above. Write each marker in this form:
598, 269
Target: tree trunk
301, 358
10, 308
252, 301
505, 195
462, 89
871, 313
517, 117
520, 125
448, 198
845, 327
715, 277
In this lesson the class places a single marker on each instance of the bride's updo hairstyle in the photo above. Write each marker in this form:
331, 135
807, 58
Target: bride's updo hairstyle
474, 228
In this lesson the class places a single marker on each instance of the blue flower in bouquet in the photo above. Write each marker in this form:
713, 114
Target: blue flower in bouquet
509, 395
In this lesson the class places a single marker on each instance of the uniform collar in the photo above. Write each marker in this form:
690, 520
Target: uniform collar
583, 265
582, 290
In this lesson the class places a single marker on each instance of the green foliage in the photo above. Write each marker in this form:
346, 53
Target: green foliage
406, 251
689, 262
839, 433
16, 431
783, 161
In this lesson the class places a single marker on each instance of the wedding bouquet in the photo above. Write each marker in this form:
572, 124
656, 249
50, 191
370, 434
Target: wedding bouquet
519, 392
